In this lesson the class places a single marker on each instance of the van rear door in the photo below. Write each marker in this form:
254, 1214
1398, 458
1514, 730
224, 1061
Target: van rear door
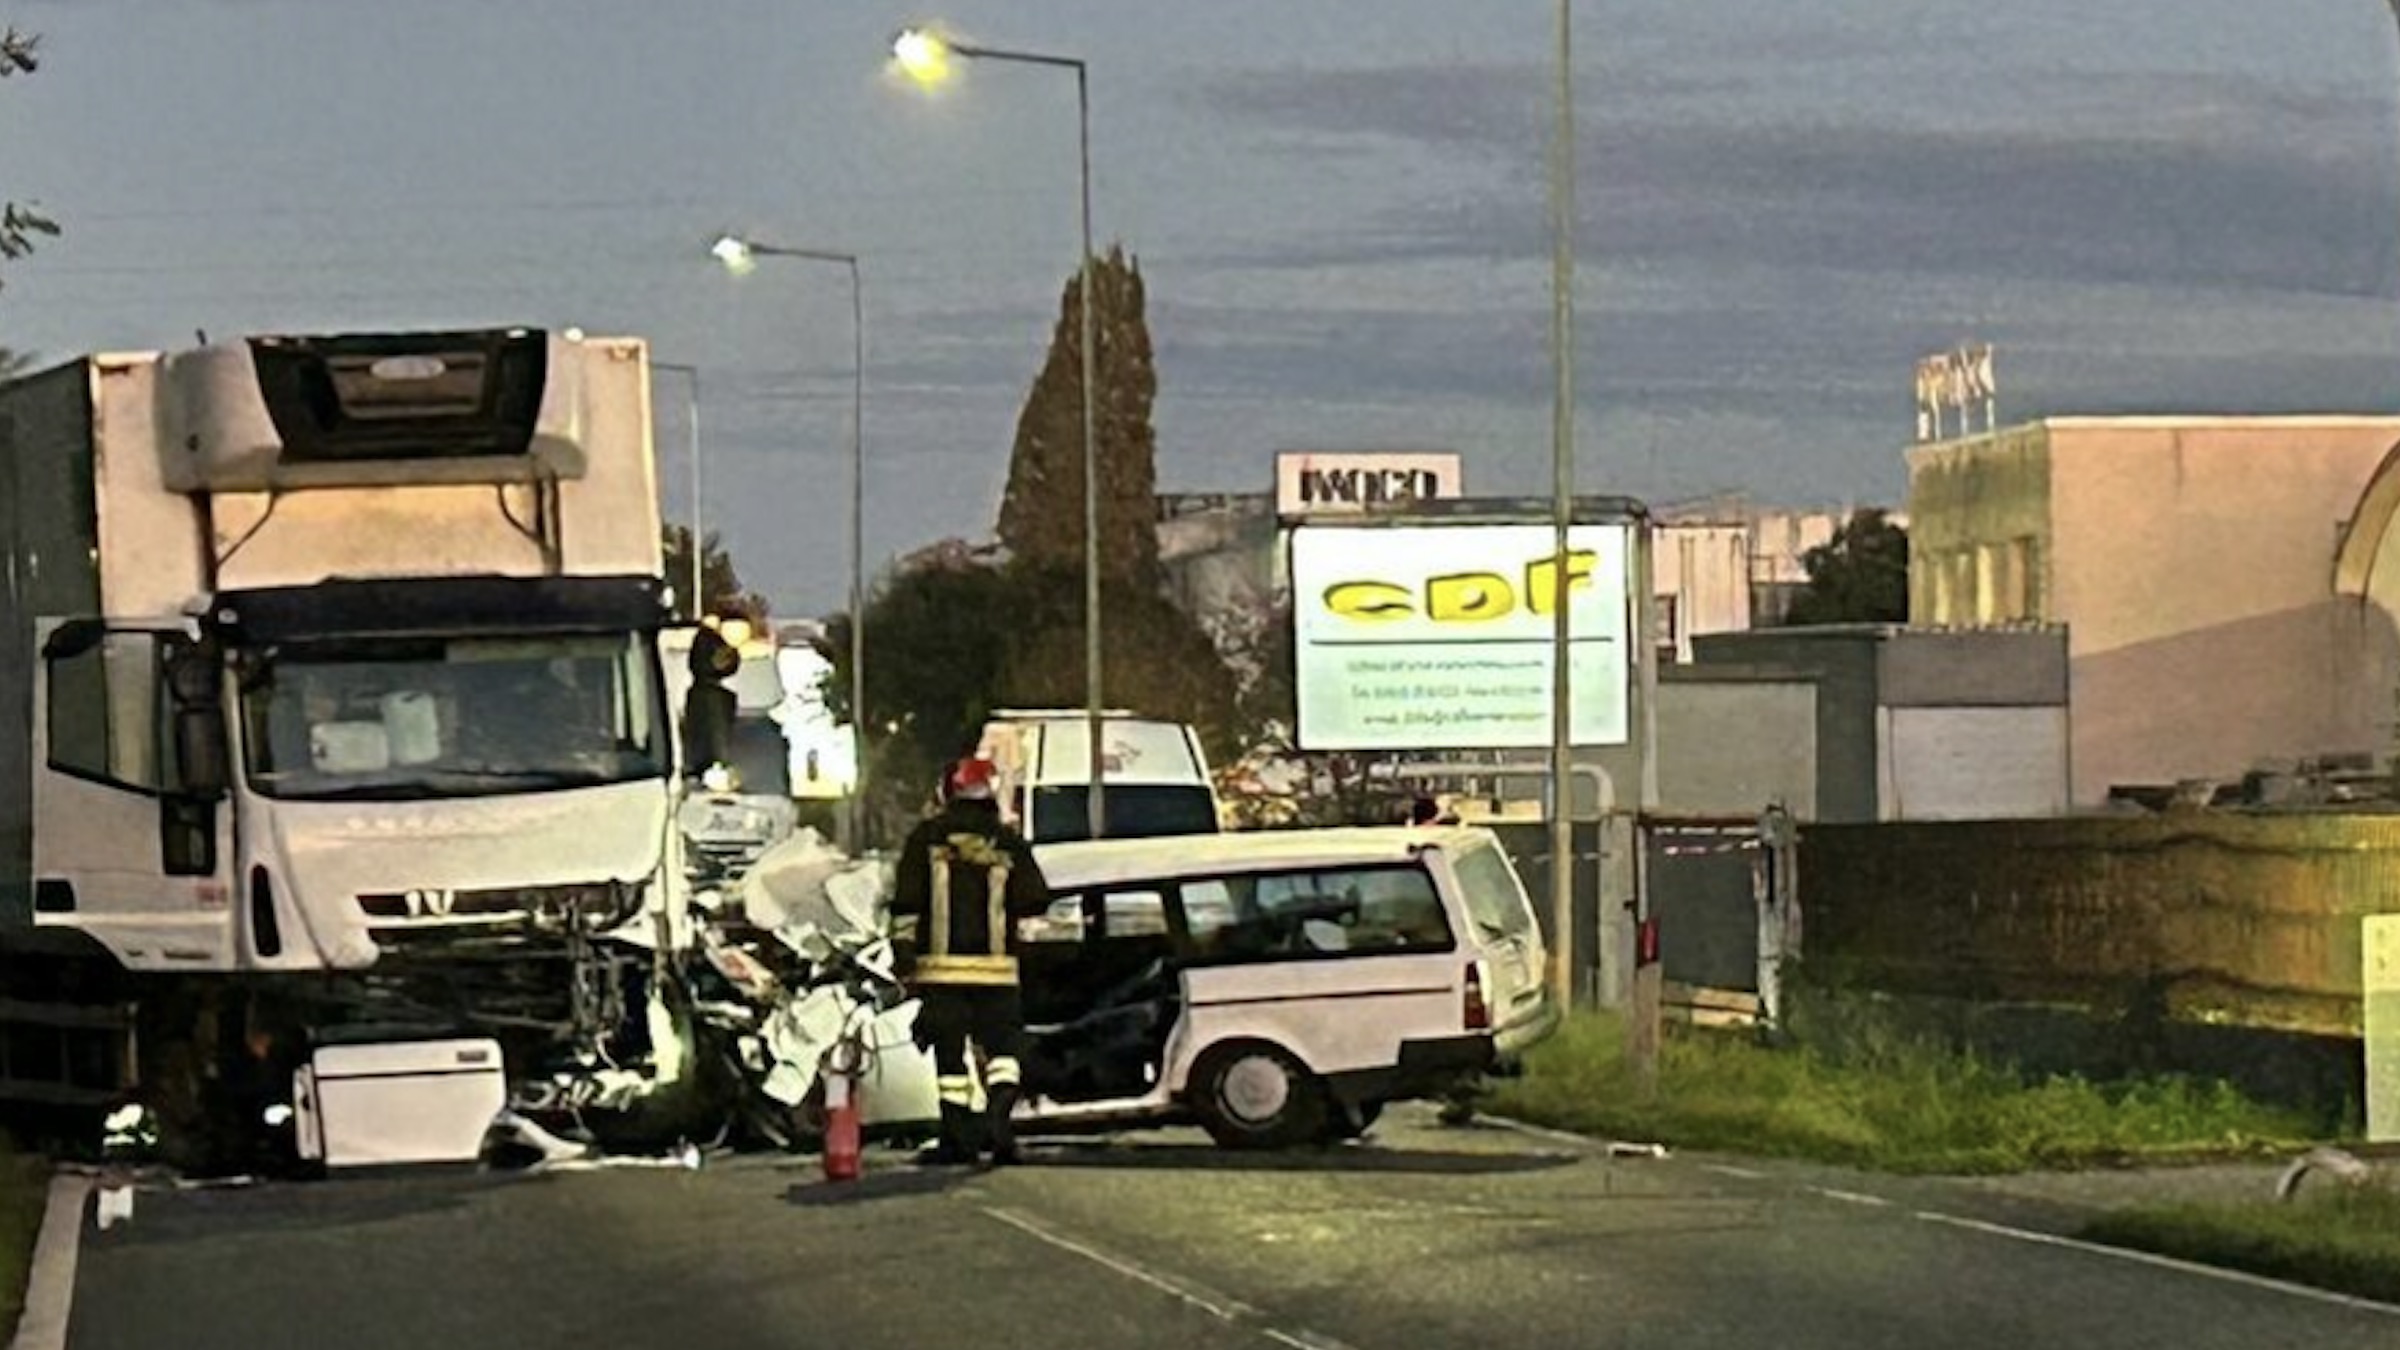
1503, 933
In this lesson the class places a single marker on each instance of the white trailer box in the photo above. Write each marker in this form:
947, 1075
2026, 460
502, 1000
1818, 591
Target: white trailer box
398, 1102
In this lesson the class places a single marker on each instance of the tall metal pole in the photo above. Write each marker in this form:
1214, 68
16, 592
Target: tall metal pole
1562, 515
854, 822
1095, 804
858, 562
1096, 809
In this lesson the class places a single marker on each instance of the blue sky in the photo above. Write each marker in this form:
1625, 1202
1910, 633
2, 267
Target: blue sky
2161, 205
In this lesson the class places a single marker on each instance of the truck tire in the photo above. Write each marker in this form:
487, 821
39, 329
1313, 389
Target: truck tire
1252, 1095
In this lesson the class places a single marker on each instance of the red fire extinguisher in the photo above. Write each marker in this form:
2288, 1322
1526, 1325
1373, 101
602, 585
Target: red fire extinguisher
843, 1160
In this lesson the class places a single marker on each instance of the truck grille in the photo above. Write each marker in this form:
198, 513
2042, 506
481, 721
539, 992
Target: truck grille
606, 902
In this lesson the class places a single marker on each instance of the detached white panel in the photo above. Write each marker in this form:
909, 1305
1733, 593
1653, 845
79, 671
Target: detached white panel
2380, 939
403, 1102
1974, 763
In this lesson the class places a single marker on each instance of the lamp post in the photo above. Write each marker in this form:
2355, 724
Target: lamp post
691, 424
740, 255
925, 56
1562, 510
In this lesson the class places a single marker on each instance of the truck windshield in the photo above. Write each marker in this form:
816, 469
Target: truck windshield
451, 717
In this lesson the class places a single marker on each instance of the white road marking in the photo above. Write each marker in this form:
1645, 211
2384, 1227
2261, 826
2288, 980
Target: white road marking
1848, 1197
50, 1290
1729, 1170
2240, 1277
1305, 1340
1216, 1305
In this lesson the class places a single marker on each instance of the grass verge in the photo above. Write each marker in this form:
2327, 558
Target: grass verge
22, 1196
2347, 1240
1886, 1101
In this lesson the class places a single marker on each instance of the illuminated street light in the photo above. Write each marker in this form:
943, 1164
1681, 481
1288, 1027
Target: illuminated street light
925, 57
735, 252
741, 256
922, 55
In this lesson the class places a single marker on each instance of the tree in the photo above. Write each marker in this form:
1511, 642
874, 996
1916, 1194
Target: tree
721, 588
1041, 517
939, 628
1160, 661
959, 629
1859, 576
20, 225
955, 631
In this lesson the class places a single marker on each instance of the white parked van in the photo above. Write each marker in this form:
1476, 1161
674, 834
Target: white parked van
1279, 986
1156, 776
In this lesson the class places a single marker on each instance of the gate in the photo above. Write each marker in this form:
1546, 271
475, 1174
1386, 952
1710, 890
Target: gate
1720, 891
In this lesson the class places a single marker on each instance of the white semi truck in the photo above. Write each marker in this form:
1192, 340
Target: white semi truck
331, 709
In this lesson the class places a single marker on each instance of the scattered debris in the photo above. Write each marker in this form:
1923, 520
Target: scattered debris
113, 1206
1619, 1148
2342, 1166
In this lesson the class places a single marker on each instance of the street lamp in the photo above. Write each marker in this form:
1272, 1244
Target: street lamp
925, 56
740, 255
1562, 510
691, 423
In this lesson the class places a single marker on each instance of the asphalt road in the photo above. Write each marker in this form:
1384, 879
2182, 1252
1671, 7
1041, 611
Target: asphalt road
1423, 1238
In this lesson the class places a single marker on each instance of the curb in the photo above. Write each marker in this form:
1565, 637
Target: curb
50, 1285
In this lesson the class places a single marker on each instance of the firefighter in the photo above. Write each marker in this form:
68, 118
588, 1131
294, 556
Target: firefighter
964, 880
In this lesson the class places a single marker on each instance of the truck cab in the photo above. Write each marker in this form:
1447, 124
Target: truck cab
335, 694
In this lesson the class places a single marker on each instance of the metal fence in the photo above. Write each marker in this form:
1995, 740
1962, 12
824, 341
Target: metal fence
1721, 893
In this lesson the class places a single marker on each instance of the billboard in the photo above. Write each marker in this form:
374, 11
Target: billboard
1439, 637
1326, 483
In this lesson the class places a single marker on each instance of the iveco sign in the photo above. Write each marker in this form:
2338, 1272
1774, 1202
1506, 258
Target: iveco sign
1309, 483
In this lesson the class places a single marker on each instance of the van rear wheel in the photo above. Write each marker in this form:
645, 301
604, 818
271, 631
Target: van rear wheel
1257, 1096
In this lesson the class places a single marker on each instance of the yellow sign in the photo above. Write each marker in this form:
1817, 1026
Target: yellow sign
1442, 636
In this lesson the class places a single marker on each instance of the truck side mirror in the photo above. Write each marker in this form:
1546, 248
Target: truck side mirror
203, 759
73, 638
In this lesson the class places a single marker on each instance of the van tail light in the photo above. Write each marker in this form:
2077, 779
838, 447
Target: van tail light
1478, 1013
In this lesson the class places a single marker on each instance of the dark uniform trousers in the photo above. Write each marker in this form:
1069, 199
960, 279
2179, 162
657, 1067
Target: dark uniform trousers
970, 1001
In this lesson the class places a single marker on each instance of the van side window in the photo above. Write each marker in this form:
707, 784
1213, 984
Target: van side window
1132, 914
1269, 916
1082, 916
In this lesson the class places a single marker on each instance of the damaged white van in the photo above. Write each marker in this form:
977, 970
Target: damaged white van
1278, 987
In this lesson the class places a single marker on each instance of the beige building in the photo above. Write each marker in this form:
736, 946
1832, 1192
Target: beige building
2193, 561
1725, 566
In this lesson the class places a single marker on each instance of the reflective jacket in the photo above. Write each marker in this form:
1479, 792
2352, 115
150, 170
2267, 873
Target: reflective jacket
964, 880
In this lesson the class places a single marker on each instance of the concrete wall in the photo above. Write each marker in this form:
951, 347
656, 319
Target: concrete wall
1920, 724
2195, 570
2192, 563
1730, 745
2253, 919
1842, 663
